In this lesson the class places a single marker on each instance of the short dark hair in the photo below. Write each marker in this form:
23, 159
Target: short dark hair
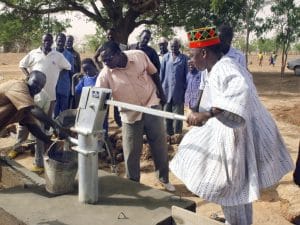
112, 46
88, 61
70, 36
61, 35
48, 35
216, 49
226, 31
39, 75
146, 31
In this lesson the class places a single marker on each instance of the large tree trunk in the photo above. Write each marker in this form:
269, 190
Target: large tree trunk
122, 33
247, 32
284, 57
282, 64
247, 44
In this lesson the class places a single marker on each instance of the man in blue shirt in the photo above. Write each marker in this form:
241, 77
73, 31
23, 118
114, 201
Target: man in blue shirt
174, 68
89, 80
63, 86
90, 75
193, 83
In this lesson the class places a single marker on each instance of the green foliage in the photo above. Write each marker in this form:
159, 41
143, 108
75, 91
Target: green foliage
240, 43
190, 14
54, 27
94, 41
228, 11
296, 47
266, 44
286, 21
126, 15
160, 15
21, 31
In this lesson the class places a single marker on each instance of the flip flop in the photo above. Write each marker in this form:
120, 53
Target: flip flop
216, 217
12, 154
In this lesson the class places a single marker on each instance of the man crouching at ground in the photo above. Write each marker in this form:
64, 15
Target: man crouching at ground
17, 105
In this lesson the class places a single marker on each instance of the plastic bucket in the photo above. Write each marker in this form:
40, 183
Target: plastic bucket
60, 169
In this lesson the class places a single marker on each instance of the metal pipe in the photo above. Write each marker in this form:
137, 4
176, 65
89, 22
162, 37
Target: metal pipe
74, 141
88, 169
154, 112
80, 130
82, 151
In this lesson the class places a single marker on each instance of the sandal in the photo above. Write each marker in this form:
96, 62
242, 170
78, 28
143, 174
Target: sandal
12, 154
37, 169
216, 217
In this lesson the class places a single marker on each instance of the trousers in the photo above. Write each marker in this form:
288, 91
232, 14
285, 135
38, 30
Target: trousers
39, 147
238, 215
154, 129
174, 126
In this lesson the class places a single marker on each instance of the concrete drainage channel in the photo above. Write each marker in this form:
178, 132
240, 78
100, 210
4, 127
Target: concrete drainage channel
24, 200
100, 196
9, 178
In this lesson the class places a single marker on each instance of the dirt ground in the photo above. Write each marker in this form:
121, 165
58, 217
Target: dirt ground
281, 96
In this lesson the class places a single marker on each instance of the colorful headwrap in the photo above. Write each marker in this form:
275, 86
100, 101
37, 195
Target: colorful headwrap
203, 37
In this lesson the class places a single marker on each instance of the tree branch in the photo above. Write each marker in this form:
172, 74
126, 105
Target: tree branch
109, 6
68, 5
148, 22
96, 10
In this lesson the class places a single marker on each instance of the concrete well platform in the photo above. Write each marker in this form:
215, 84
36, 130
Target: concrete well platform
121, 201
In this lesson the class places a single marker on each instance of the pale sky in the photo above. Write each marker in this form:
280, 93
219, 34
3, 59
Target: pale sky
81, 27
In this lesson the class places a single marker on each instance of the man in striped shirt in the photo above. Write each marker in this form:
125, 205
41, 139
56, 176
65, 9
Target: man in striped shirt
226, 36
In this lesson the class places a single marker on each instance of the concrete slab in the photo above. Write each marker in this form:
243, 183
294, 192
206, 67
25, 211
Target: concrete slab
121, 201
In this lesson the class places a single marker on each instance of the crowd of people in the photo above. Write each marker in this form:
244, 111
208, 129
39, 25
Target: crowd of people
233, 149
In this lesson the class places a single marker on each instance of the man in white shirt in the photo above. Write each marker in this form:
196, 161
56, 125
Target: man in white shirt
226, 35
234, 149
48, 61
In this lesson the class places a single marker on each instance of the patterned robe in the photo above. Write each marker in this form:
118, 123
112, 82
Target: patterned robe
234, 155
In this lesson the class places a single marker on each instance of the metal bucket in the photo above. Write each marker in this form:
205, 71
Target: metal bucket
60, 169
66, 118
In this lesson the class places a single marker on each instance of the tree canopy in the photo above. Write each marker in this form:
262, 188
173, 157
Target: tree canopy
21, 30
126, 15
285, 20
